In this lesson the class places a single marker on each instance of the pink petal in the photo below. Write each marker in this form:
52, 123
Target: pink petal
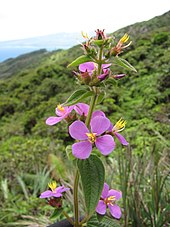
105, 66
101, 207
110, 127
82, 150
46, 194
53, 120
119, 76
61, 189
57, 194
87, 66
121, 139
103, 75
99, 124
105, 191
78, 130
117, 194
61, 113
81, 108
115, 211
98, 113
105, 144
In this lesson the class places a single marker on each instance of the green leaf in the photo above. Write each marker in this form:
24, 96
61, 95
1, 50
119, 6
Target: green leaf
80, 60
78, 96
56, 213
100, 97
123, 63
105, 222
92, 176
99, 217
109, 222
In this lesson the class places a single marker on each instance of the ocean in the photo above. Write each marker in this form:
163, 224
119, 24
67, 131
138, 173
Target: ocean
14, 48
6, 53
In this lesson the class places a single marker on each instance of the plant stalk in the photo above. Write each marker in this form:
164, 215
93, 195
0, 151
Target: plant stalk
100, 60
92, 105
76, 208
68, 218
91, 109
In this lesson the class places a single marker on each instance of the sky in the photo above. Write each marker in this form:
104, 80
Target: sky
30, 18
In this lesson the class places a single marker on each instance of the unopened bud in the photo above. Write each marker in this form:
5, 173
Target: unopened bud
100, 34
119, 76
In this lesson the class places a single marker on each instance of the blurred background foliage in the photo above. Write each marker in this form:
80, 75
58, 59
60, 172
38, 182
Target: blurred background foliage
31, 153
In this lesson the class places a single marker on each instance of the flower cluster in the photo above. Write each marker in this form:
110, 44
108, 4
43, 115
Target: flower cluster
89, 73
100, 134
89, 127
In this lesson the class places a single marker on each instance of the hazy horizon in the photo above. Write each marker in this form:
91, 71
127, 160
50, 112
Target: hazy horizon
14, 48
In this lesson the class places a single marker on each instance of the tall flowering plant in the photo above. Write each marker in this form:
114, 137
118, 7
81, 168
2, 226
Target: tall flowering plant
90, 128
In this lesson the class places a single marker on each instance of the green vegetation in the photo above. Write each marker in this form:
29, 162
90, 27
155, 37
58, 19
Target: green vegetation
30, 88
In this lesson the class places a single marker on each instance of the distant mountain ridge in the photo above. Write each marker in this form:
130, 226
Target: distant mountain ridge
65, 40
141, 28
14, 48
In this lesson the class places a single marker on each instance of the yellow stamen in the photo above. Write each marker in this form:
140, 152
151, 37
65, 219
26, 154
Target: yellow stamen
119, 126
110, 200
91, 137
52, 185
125, 38
127, 45
85, 35
59, 107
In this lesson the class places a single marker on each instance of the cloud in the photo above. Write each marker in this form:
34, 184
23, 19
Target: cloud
29, 18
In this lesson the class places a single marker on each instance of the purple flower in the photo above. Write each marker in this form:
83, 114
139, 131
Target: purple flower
108, 199
118, 127
55, 191
82, 109
98, 113
103, 75
87, 67
63, 112
90, 67
79, 131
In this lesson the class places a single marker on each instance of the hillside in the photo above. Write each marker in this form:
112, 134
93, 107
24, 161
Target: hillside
24, 62
33, 84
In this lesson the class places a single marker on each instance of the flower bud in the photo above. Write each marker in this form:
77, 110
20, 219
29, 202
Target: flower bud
100, 35
117, 77
120, 45
55, 202
83, 77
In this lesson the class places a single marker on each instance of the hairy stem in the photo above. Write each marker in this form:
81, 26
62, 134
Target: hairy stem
91, 109
100, 60
92, 105
76, 210
68, 218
